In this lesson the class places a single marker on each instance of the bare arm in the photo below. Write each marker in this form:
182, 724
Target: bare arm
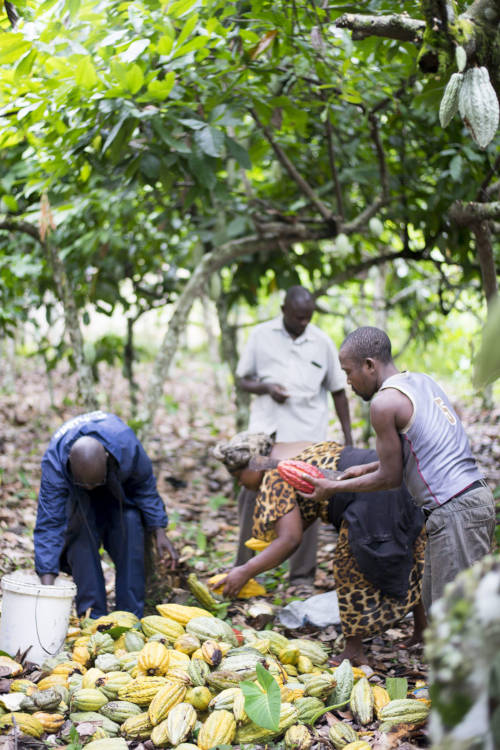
385, 474
254, 385
289, 535
342, 408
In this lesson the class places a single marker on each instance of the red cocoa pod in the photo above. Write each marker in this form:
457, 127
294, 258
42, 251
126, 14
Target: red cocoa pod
293, 471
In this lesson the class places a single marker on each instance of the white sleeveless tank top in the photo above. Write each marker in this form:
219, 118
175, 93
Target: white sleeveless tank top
438, 463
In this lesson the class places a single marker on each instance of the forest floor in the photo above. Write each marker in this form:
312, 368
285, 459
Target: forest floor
197, 411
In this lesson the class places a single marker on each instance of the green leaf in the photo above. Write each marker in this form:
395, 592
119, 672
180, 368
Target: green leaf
164, 45
238, 153
85, 74
397, 687
181, 7
135, 49
263, 708
187, 28
193, 124
161, 89
25, 64
12, 47
197, 43
456, 167
135, 78
10, 202
116, 631
210, 141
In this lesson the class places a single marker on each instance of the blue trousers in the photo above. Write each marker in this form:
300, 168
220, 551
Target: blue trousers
97, 520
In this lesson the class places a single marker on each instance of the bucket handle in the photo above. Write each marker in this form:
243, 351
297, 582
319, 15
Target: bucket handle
50, 653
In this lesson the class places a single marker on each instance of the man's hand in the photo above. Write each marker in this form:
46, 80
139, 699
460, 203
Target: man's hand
234, 582
323, 487
165, 547
47, 579
355, 471
277, 392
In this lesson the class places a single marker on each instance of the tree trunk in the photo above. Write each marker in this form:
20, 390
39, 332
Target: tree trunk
128, 366
72, 325
486, 258
229, 354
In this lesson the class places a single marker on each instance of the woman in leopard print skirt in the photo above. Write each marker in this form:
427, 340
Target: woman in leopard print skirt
379, 555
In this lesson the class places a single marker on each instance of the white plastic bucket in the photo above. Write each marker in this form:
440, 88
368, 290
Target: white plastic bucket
34, 616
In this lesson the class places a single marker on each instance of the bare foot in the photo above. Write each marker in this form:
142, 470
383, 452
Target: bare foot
416, 639
353, 651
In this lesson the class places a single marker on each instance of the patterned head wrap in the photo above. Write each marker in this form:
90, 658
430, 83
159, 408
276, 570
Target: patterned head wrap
237, 452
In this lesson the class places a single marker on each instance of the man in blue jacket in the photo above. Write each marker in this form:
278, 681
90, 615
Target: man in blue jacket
98, 488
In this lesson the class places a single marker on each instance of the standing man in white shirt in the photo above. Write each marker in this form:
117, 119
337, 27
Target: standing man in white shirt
291, 365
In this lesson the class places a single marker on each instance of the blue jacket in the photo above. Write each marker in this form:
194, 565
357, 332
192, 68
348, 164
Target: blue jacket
57, 490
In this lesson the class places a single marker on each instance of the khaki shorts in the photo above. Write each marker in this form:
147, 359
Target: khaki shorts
458, 534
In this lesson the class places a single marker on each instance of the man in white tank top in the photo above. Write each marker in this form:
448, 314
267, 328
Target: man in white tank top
419, 438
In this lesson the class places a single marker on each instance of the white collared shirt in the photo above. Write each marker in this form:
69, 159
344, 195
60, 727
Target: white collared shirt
307, 367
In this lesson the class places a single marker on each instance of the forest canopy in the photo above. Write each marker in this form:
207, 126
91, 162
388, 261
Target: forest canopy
154, 152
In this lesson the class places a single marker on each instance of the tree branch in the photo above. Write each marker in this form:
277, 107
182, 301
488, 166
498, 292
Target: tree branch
292, 171
365, 265
466, 214
333, 166
392, 26
24, 227
484, 248
383, 198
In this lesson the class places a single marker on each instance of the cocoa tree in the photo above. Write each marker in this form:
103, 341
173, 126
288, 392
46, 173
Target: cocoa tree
450, 36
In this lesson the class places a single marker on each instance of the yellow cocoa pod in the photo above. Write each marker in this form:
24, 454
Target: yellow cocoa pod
250, 589
211, 652
22, 686
176, 674
218, 729
239, 708
199, 697
81, 641
142, 690
380, 698
180, 722
358, 673
304, 664
289, 655
51, 681
26, 723
10, 667
165, 699
257, 545
153, 659
362, 702
50, 722
120, 645
68, 668
137, 727
187, 643
164, 626
88, 699
181, 613
177, 659
91, 676
289, 695
81, 654
297, 737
